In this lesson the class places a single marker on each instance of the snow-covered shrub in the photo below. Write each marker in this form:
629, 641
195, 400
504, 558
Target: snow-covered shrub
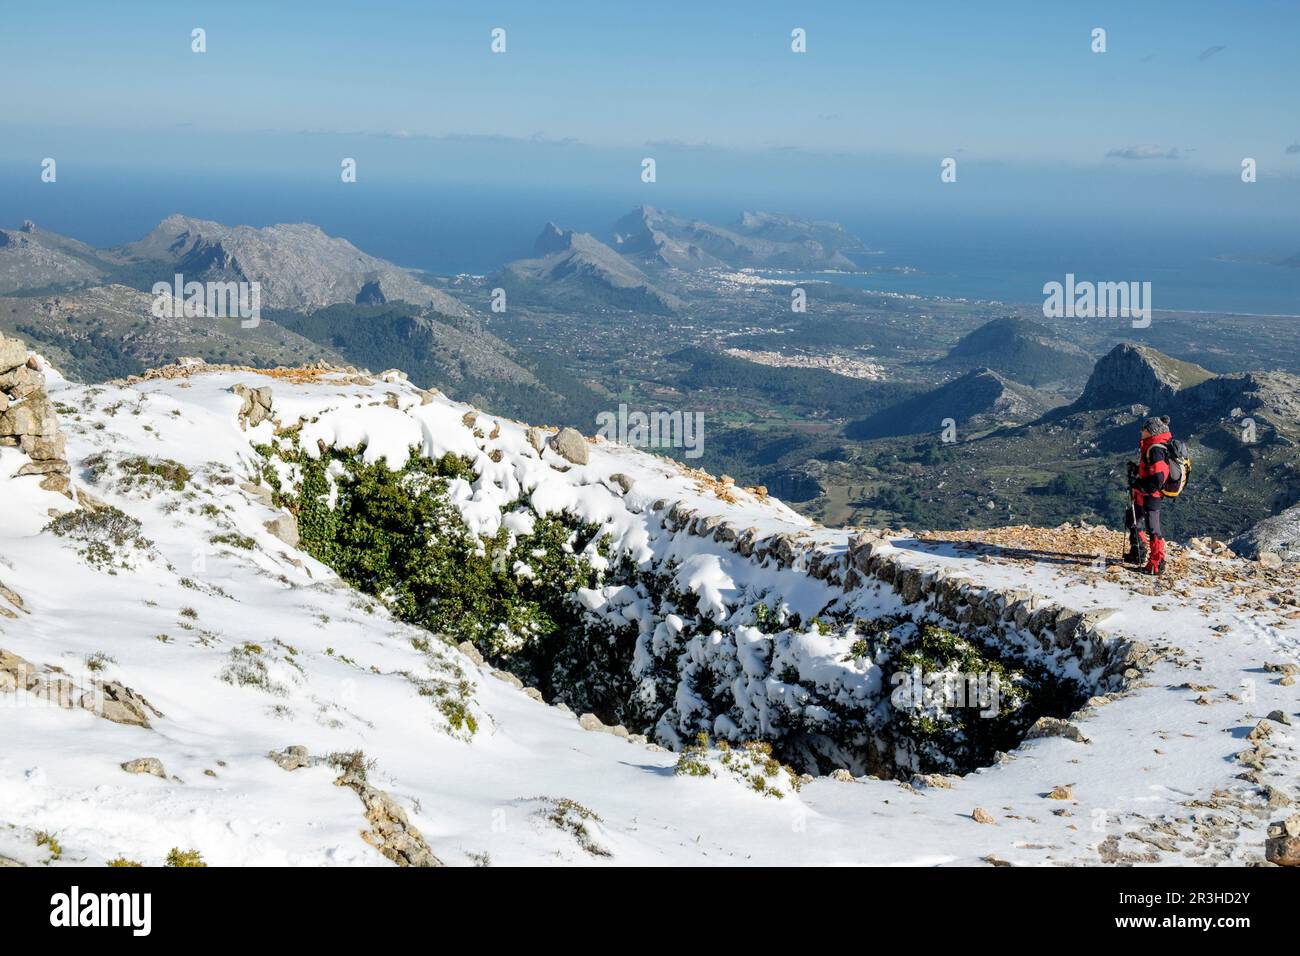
658, 646
110, 539
136, 472
397, 535
751, 764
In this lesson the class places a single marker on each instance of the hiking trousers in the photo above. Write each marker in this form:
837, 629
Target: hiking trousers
1143, 517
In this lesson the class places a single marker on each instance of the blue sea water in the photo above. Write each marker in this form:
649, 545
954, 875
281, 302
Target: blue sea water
1213, 267
1221, 266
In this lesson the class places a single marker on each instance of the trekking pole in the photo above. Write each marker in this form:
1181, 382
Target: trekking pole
1132, 507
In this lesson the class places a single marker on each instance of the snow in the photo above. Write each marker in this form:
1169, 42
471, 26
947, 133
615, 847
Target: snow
341, 662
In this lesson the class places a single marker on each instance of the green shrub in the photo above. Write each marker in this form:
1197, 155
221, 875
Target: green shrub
184, 858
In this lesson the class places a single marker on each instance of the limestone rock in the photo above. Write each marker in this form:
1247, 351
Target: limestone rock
32, 416
470, 651
1055, 727
509, 678
149, 765
1283, 844
41, 448
13, 353
980, 815
118, 703
569, 444
284, 527
256, 407
16, 673
391, 833
291, 757
53, 467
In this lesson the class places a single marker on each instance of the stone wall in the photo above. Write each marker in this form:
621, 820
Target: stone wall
1022, 623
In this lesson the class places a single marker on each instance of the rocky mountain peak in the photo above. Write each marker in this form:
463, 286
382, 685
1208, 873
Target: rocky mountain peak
1137, 374
552, 239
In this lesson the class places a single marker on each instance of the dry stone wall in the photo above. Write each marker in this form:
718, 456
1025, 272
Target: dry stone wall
1014, 619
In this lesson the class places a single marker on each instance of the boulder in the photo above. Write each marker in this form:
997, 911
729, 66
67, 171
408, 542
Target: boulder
16, 673
256, 406
32, 416
1283, 844
284, 527
52, 467
20, 382
41, 448
13, 353
118, 703
470, 651
291, 758
149, 765
1055, 727
569, 444
509, 678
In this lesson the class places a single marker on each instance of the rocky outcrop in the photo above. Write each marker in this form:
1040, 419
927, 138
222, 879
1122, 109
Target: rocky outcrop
284, 527
150, 765
28, 420
391, 833
1136, 374
1283, 844
569, 444
256, 407
109, 700
1275, 539
982, 398
292, 757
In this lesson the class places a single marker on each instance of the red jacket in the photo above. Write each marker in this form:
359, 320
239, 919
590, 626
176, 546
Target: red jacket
1153, 467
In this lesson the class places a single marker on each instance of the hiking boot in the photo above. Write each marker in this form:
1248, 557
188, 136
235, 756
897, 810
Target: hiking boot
1153, 568
1135, 555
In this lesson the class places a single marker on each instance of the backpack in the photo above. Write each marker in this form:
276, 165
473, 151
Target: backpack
1179, 459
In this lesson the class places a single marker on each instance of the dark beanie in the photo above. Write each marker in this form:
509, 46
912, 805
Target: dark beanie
1156, 424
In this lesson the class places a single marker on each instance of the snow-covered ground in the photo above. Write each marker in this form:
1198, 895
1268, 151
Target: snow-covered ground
326, 668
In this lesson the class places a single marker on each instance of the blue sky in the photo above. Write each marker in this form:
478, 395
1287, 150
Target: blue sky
708, 87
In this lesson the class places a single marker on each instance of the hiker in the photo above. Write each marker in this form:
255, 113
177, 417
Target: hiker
1148, 478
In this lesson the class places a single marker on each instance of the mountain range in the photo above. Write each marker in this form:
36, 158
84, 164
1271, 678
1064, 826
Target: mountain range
572, 269
757, 240
1041, 424
297, 266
